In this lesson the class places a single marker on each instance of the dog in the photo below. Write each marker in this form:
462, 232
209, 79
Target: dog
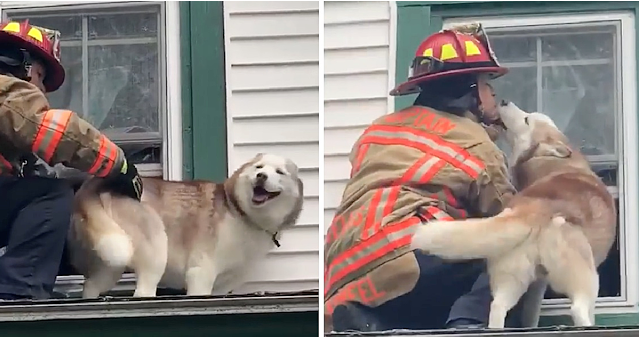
557, 230
195, 235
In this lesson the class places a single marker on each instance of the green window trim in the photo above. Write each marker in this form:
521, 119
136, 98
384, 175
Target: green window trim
418, 19
204, 134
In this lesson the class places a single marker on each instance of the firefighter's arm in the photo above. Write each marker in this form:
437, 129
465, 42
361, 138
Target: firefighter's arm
56, 136
492, 190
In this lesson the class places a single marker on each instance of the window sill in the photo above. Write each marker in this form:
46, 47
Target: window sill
111, 307
605, 305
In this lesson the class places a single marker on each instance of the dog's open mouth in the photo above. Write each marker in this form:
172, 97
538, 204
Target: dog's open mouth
500, 123
261, 195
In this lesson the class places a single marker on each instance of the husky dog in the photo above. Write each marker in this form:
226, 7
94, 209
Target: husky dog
557, 230
195, 235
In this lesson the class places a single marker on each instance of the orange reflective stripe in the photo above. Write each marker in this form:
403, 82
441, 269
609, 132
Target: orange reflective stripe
361, 152
427, 143
380, 206
50, 133
452, 202
343, 222
389, 238
423, 170
105, 158
5, 165
432, 212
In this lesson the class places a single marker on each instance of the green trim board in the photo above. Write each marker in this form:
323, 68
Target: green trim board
185, 77
418, 19
204, 133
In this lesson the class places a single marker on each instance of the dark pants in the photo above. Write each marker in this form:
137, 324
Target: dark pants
445, 292
35, 214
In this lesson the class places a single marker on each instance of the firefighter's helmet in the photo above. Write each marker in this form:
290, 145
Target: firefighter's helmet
455, 51
42, 43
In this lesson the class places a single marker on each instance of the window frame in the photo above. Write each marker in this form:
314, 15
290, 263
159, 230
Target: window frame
627, 147
170, 118
170, 121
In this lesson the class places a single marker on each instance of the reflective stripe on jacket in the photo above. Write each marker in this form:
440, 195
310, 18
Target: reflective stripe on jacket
407, 167
29, 125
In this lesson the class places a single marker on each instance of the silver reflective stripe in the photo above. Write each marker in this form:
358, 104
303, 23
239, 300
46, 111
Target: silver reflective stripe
430, 143
378, 212
368, 250
427, 166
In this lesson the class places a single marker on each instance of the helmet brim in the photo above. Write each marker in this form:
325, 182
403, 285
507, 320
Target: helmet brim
55, 71
412, 85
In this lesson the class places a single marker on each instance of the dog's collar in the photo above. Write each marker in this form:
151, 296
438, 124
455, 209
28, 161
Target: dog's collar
233, 203
274, 238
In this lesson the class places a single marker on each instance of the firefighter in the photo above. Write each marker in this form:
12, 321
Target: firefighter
432, 160
35, 211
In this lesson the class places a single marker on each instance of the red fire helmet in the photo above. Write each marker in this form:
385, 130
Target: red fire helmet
460, 50
39, 42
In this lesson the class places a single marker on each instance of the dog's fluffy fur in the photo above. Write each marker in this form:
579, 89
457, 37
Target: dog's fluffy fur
557, 230
199, 236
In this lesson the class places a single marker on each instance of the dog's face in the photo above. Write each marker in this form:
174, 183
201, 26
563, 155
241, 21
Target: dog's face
269, 191
526, 132
268, 179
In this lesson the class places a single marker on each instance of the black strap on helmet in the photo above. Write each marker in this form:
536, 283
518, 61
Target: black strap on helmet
16, 62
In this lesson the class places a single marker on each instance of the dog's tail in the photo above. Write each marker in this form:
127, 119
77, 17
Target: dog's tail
111, 243
471, 238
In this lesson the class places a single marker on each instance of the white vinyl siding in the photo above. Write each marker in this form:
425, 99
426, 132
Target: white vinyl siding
358, 66
272, 75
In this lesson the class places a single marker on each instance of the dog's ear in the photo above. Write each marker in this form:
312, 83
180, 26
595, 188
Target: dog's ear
291, 167
556, 149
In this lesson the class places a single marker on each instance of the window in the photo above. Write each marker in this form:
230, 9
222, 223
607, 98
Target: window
580, 71
116, 63
113, 56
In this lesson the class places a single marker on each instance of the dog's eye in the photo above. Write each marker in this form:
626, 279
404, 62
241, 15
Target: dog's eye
526, 120
278, 171
259, 167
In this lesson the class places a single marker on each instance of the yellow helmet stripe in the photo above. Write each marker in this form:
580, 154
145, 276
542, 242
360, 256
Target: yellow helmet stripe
428, 52
448, 52
13, 27
472, 49
36, 34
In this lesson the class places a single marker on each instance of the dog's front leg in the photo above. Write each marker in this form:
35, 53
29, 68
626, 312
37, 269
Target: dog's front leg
200, 279
231, 281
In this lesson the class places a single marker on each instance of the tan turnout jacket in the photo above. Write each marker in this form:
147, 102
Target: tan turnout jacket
407, 167
29, 125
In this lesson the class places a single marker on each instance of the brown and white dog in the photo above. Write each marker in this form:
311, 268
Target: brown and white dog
196, 235
557, 230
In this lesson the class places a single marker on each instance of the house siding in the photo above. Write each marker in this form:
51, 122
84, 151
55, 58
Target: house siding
272, 77
358, 64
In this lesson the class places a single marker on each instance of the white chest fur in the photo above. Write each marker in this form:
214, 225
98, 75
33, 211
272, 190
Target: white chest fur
227, 256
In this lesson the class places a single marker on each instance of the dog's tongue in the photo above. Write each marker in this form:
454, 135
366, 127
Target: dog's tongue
260, 197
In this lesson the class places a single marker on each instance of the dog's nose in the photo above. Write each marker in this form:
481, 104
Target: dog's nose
261, 177
504, 102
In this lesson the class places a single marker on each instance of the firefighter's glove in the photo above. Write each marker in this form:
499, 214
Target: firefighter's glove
126, 182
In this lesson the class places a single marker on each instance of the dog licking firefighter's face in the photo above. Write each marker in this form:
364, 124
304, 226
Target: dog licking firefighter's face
488, 103
523, 127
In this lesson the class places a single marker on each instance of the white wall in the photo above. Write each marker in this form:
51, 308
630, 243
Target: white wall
272, 70
359, 63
